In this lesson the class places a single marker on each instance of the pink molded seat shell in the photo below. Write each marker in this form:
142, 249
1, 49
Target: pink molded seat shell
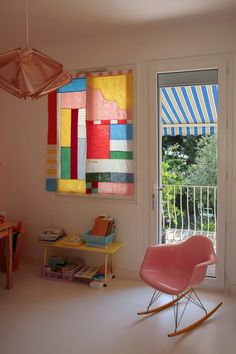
173, 268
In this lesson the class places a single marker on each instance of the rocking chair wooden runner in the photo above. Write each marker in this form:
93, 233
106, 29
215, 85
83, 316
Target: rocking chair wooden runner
175, 269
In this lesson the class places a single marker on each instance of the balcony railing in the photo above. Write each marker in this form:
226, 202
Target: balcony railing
188, 210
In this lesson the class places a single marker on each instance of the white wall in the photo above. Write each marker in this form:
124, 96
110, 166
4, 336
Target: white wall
25, 132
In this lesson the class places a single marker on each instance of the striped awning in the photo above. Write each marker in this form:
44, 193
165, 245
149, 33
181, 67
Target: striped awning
189, 110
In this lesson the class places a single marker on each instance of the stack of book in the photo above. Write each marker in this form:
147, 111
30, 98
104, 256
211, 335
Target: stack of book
102, 233
99, 277
71, 240
87, 272
51, 234
103, 226
61, 269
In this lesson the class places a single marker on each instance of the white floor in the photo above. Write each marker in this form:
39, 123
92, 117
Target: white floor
46, 317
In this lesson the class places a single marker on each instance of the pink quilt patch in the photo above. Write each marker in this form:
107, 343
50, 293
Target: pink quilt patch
73, 99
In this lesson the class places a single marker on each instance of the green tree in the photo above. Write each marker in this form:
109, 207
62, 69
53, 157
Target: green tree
187, 161
186, 146
203, 172
173, 166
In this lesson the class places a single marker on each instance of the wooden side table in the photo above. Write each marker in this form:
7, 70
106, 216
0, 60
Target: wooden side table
6, 231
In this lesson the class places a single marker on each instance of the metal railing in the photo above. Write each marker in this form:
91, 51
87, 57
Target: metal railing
187, 210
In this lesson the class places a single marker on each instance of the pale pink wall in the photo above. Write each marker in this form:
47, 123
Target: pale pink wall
26, 125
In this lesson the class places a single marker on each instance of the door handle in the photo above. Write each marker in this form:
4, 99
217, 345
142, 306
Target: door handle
158, 189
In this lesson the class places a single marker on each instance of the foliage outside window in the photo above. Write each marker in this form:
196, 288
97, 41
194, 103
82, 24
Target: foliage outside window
189, 161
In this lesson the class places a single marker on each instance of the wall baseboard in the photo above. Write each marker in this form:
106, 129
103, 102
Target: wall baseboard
30, 260
233, 288
127, 274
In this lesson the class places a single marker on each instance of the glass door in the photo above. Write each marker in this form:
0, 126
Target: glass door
187, 169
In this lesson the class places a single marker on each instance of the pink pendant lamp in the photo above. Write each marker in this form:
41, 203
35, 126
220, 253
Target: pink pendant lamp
27, 72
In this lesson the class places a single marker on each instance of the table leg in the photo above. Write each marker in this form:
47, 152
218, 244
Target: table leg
9, 260
113, 266
105, 275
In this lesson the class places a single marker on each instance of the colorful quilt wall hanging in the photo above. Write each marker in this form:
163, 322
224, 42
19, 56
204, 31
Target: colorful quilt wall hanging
90, 135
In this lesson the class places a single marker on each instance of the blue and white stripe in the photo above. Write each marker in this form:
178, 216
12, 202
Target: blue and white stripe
189, 110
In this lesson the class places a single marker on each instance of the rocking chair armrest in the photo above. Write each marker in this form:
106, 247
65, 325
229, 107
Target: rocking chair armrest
211, 260
199, 271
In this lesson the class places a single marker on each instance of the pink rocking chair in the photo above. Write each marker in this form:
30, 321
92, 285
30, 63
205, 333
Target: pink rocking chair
175, 269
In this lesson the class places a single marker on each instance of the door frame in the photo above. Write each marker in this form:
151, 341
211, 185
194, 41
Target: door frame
219, 62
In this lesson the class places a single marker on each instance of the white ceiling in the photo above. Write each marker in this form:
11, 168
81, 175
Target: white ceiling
61, 20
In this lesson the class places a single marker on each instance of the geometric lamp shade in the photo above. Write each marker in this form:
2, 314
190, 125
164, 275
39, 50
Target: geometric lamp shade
27, 72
